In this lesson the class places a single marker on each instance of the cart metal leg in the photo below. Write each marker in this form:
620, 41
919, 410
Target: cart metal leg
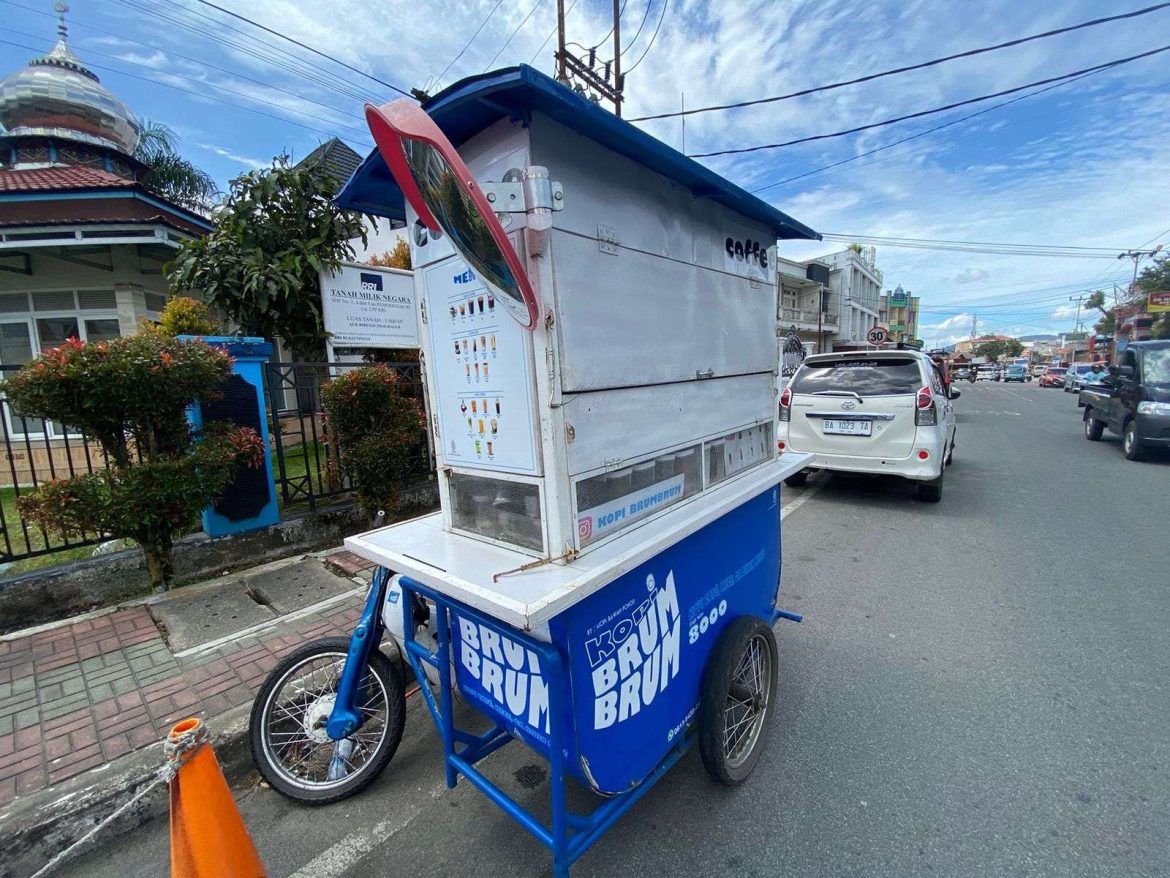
570, 834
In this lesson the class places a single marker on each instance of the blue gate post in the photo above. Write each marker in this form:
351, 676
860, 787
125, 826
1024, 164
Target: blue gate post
249, 502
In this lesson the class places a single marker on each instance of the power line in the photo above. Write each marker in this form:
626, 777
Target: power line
510, 38
872, 76
1112, 251
482, 25
201, 94
304, 68
984, 247
1153, 239
653, 37
638, 32
608, 33
943, 109
936, 128
304, 46
206, 64
553, 33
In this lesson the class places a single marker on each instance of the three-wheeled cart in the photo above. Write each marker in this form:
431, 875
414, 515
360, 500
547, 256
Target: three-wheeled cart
598, 317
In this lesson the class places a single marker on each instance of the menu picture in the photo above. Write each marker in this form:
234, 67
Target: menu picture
482, 373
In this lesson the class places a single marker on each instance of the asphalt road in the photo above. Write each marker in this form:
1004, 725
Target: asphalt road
979, 688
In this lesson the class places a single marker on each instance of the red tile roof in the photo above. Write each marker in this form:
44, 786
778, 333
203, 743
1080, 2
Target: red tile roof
49, 179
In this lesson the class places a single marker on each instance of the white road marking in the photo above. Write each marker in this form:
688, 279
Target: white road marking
338, 858
1017, 395
343, 855
793, 505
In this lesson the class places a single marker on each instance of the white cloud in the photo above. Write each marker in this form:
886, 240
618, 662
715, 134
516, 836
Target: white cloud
224, 152
1083, 165
971, 276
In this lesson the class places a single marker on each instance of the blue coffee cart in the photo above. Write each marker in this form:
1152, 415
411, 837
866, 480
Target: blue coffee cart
598, 316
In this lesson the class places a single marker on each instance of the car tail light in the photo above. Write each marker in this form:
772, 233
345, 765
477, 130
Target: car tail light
781, 445
925, 415
923, 454
785, 402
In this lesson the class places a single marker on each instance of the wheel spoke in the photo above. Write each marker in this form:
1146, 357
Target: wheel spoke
304, 697
747, 701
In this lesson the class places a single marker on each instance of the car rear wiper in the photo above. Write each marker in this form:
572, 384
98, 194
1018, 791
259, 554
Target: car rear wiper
853, 393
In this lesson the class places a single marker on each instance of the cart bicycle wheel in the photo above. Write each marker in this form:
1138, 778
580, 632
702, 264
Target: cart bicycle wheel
287, 726
736, 701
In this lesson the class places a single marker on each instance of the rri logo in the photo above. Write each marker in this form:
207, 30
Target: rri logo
465, 278
371, 282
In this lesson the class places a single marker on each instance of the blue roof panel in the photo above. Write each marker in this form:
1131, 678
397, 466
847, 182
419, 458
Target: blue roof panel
471, 105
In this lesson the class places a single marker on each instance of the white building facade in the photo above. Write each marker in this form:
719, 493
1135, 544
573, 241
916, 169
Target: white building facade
855, 285
806, 302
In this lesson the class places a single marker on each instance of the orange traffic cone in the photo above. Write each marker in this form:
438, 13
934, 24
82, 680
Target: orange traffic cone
208, 836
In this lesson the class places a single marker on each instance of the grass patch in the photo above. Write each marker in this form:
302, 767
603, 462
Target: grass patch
35, 541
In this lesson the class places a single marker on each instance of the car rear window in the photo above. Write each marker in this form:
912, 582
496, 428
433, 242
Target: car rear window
868, 377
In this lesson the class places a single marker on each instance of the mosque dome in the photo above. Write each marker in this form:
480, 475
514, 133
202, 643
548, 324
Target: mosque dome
57, 96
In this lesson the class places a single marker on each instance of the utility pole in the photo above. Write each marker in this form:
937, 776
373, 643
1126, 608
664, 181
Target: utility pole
1137, 256
562, 77
1077, 326
617, 59
590, 82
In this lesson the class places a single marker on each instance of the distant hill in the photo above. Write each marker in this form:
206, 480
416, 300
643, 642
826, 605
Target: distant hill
1042, 337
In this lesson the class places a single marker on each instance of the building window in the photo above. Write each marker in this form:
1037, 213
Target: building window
30, 325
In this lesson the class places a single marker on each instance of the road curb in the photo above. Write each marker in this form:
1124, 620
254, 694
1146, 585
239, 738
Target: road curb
37, 827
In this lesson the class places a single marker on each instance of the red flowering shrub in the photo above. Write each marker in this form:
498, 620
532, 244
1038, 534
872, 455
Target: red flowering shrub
377, 431
131, 396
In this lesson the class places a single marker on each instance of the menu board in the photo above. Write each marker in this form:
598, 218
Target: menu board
483, 374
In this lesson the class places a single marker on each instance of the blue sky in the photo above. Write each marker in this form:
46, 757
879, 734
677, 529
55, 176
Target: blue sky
1085, 164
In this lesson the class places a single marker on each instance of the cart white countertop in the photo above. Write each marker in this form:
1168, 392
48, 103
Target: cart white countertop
463, 568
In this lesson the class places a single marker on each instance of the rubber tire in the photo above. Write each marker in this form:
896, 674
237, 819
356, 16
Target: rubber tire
391, 677
931, 492
721, 664
951, 453
1131, 445
1093, 427
797, 479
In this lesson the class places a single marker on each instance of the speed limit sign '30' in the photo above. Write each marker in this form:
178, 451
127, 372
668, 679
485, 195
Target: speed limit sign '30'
877, 335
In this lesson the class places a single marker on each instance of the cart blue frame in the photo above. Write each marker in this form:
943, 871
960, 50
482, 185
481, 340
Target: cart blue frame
570, 834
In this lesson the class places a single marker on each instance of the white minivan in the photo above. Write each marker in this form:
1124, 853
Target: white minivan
871, 412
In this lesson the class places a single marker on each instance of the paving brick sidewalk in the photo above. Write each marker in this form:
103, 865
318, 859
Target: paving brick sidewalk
80, 695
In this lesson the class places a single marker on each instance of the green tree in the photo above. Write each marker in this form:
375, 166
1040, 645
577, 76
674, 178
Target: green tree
183, 315
131, 395
276, 231
398, 257
378, 432
169, 175
996, 348
1096, 301
1155, 278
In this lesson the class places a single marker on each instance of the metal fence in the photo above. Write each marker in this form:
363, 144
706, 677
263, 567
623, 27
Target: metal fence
35, 451
305, 462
